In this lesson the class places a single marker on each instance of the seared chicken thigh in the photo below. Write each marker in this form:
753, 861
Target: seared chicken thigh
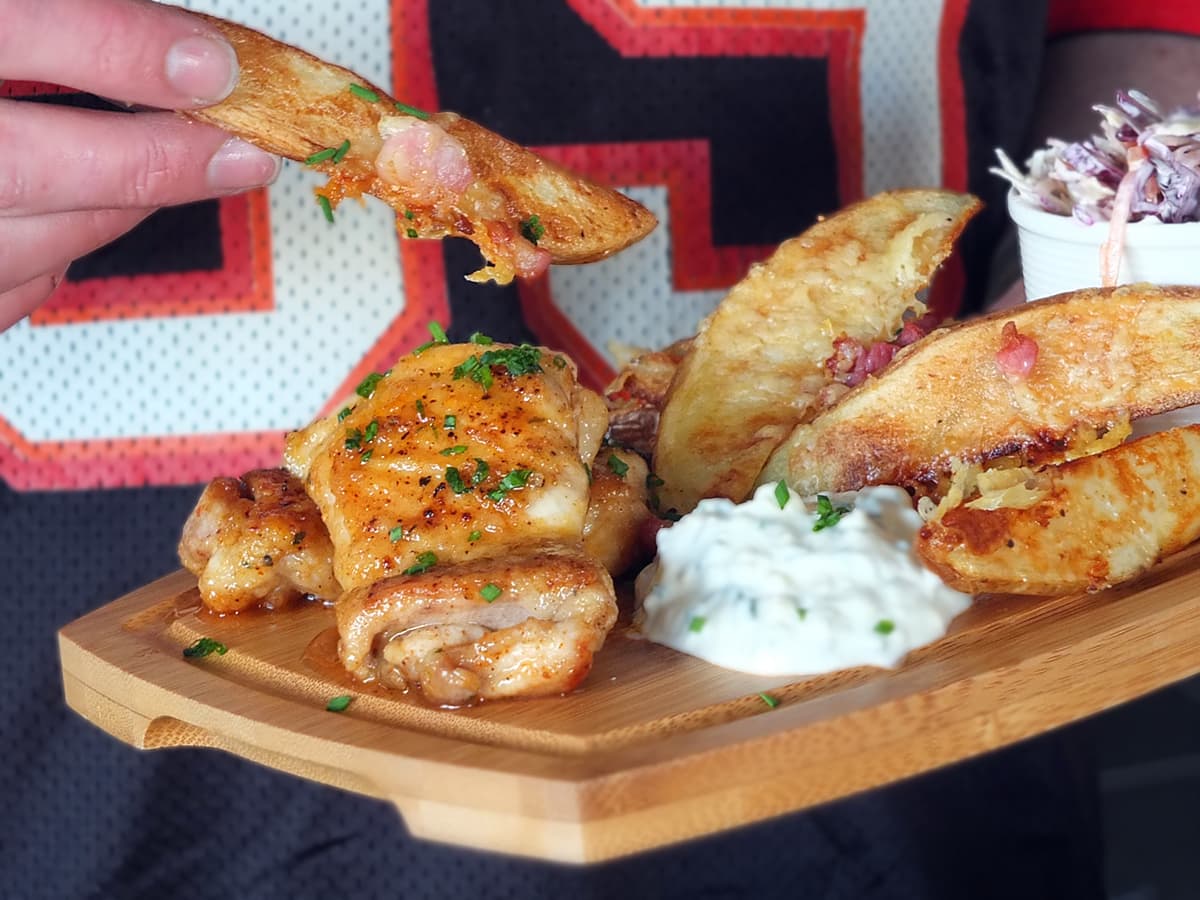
257, 540
462, 452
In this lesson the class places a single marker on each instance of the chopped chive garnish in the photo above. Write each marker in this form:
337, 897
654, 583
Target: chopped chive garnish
370, 432
338, 704
367, 386
802, 613
353, 439
438, 336
412, 233
340, 153
326, 207
514, 480
345, 411
424, 563
421, 410
560, 361
409, 214
481, 339
618, 466
481, 471
490, 592
450, 422
396, 533
322, 155
474, 536
653, 481
766, 698
781, 494
885, 626
205, 646
828, 515
366, 456
697, 624
455, 480
532, 229
411, 110
364, 93
455, 450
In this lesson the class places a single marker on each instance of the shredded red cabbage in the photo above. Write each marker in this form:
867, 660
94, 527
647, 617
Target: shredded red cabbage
1083, 178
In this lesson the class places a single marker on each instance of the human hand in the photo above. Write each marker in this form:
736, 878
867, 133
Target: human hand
72, 180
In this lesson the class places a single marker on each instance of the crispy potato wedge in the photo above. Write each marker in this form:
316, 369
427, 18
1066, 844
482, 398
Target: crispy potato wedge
1104, 356
1102, 520
291, 103
756, 366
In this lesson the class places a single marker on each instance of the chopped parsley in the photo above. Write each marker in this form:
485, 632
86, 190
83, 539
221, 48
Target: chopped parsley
532, 229
363, 93
885, 627
205, 646
781, 494
326, 207
697, 624
828, 515
454, 451
455, 480
367, 386
490, 592
618, 466
425, 562
479, 368
768, 699
411, 110
514, 480
396, 533
338, 704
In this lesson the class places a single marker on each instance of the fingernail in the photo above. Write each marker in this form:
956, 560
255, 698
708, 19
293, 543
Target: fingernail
202, 68
238, 165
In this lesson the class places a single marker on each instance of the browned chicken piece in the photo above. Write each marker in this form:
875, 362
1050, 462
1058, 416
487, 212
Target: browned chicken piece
257, 540
618, 511
1032, 382
1094, 522
443, 174
525, 624
636, 395
462, 452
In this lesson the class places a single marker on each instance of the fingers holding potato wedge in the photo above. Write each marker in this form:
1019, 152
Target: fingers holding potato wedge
443, 174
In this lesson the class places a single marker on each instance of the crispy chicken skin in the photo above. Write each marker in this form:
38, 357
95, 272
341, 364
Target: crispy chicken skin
436, 463
618, 511
257, 540
521, 625
1101, 520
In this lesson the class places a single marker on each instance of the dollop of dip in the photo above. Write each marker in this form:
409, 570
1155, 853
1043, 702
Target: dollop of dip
759, 588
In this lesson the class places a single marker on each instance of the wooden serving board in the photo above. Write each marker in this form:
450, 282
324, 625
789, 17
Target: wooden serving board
656, 748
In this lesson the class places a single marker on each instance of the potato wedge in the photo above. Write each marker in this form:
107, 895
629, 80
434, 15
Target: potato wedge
291, 103
757, 363
1102, 520
1104, 356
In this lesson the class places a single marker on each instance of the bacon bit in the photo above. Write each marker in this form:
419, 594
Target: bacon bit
1017, 353
527, 260
852, 360
423, 159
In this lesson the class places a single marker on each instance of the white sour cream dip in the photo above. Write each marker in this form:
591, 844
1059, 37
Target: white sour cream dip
752, 586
